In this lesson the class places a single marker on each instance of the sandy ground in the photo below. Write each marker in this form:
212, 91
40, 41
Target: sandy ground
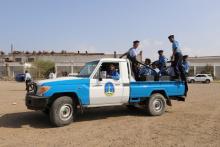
195, 122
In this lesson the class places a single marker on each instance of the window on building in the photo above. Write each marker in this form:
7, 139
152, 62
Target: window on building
18, 59
30, 59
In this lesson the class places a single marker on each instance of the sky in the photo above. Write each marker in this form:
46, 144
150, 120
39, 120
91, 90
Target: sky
111, 25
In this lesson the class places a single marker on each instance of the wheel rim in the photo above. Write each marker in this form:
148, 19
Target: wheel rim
66, 112
157, 105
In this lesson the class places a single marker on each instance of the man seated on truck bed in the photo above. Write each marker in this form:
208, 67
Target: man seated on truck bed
113, 73
162, 61
144, 71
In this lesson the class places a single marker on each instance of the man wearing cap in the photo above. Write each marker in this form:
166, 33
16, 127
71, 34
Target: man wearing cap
132, 56
178, 59
162, 60
144, 70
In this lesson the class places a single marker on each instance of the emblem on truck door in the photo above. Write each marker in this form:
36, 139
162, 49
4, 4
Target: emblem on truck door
109, 89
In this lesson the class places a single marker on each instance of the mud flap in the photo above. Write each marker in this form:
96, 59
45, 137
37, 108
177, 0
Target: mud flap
186, 88
168, 101
178, 98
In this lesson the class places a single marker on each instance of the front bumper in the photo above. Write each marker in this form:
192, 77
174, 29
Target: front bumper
34, 102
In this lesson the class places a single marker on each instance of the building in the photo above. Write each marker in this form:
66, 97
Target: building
200, 64
70, 62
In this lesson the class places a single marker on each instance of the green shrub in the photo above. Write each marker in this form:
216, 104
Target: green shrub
41, 68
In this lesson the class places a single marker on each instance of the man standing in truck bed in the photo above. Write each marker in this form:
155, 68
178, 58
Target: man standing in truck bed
178, 59
132, 56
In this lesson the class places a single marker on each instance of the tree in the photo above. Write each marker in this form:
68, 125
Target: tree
191, 71
42, 68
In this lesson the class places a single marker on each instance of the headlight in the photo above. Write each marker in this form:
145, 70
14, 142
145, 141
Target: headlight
42, 90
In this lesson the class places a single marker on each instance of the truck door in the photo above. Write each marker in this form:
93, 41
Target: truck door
105, 87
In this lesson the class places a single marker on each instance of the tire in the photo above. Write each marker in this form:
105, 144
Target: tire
207, 81
62, 111
192, 81
156, 105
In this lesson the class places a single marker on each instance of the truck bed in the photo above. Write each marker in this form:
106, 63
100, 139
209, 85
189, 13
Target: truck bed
140, 89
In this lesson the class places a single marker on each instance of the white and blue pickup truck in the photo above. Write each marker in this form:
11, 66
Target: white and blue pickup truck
61, 98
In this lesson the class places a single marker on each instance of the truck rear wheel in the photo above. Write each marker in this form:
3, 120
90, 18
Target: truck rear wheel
63, 111
156, 105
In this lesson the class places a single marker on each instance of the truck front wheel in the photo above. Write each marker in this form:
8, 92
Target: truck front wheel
63, 111
156, 105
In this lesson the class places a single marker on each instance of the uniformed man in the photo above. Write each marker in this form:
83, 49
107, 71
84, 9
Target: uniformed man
113, 73
144, 71
178, 59
162, 60
186, 65
132, 56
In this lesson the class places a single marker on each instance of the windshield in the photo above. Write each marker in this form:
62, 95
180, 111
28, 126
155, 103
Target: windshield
87, 70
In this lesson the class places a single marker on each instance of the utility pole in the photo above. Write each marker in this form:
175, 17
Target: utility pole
12, 50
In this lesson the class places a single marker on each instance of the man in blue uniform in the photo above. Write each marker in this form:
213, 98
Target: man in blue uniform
178, 59
186, 65
113, 73
162, 62
144, 71
132, 56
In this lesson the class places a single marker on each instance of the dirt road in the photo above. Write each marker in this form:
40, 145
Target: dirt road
193, 123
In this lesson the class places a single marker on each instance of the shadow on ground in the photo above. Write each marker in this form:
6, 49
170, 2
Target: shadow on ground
17, 120
37, 119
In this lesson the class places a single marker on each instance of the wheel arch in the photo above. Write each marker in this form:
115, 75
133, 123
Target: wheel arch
163, 92
73, 96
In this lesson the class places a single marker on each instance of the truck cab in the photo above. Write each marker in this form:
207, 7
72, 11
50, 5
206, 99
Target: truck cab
61, 98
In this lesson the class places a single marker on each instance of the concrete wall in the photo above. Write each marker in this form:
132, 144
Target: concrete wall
3, 71
68, 57
15, 70
217, 72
